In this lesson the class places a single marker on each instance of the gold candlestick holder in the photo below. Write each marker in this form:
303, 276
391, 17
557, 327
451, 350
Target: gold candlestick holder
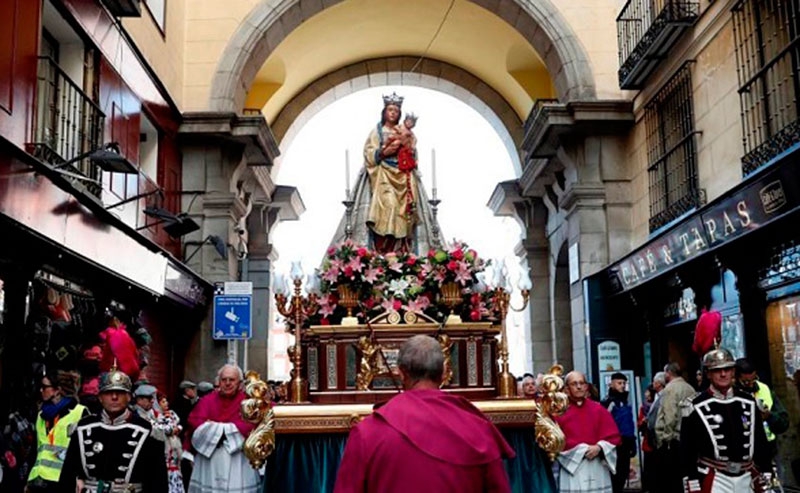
295, 310
451, 296
348, 298
507, 386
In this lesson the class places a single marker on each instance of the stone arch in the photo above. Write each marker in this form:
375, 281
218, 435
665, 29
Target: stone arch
270, 21
431, 74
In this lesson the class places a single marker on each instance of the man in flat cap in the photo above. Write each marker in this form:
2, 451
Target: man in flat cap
187, 398
723, 444
114, 452
620, 408
145, 396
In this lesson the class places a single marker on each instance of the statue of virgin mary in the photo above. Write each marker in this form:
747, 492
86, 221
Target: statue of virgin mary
391, 212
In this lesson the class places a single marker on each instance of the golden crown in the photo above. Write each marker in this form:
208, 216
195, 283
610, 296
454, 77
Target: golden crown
393, 99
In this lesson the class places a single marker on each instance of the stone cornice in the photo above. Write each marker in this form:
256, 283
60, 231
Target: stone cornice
289, 202
503, 197
253, 132
578, 118
218, 204
583, 195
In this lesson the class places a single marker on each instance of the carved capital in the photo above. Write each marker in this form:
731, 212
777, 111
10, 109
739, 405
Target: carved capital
579, 195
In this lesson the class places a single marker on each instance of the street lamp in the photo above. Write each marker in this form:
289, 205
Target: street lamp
296, 309
502, 296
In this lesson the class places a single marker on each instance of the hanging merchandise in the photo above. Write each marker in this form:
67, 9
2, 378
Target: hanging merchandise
119, 346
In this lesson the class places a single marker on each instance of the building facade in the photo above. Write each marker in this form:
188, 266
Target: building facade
697, 192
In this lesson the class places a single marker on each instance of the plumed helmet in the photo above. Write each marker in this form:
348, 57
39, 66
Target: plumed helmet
115, 380
717, 359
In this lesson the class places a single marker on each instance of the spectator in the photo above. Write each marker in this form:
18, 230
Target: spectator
773, 413
204, 388
59, 414
528, 386
675, 396
618, 405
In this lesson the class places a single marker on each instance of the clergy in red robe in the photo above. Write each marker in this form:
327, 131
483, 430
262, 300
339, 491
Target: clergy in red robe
591, 436
424, 439
217, 433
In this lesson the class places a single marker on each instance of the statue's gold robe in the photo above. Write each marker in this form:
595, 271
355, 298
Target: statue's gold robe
392, 190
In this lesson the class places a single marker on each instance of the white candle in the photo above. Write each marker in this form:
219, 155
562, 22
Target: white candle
347, 173
433, 169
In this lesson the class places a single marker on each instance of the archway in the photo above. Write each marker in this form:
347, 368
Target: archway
432, 74
562, 309
540, 23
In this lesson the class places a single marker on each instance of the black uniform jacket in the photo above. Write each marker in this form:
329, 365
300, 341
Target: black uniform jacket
724, 430
124, 451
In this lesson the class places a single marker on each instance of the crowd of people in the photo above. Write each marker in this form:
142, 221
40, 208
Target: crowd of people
136, 440
717, 436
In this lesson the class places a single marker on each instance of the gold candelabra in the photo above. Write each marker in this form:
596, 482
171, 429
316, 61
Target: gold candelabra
507, 385
296, 309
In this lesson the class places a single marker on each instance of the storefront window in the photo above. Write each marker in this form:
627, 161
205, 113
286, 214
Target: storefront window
783, 324
733, 334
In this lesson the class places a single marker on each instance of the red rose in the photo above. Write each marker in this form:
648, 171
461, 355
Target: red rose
475, 315
362, 252
452, 265
431, 253
331, 251
411, 261
396, 305
325, 321
475, 299
458, 254
348, 272
369, 303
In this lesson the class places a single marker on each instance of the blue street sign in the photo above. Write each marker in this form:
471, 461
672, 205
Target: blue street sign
232, 316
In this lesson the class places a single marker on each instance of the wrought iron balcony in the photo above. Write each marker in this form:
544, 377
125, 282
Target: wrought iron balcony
67, 123
768, 52
646, 30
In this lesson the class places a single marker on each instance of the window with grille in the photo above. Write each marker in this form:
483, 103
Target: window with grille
671, 151
767, 34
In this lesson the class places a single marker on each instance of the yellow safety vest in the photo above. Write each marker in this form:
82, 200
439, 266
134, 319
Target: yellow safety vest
50, 456
765, 395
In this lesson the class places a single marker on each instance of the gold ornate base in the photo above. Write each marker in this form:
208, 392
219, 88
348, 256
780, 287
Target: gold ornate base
507, 386
349, 321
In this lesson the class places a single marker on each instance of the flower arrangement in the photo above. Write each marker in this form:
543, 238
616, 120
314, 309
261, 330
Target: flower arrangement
400, 281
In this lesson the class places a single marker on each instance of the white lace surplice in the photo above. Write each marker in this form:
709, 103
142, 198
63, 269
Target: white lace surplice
580, 475
224, 468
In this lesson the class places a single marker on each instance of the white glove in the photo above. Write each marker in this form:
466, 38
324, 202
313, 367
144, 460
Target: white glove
690, 485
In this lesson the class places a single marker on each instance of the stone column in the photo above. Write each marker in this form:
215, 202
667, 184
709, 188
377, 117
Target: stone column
256, 267
583, 203
209, 200
534, 250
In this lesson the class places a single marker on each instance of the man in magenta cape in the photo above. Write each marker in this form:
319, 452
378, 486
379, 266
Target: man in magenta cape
424, 439
591, 436
217, 433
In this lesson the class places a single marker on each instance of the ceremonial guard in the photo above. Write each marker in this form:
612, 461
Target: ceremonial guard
114, 451
722, 437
